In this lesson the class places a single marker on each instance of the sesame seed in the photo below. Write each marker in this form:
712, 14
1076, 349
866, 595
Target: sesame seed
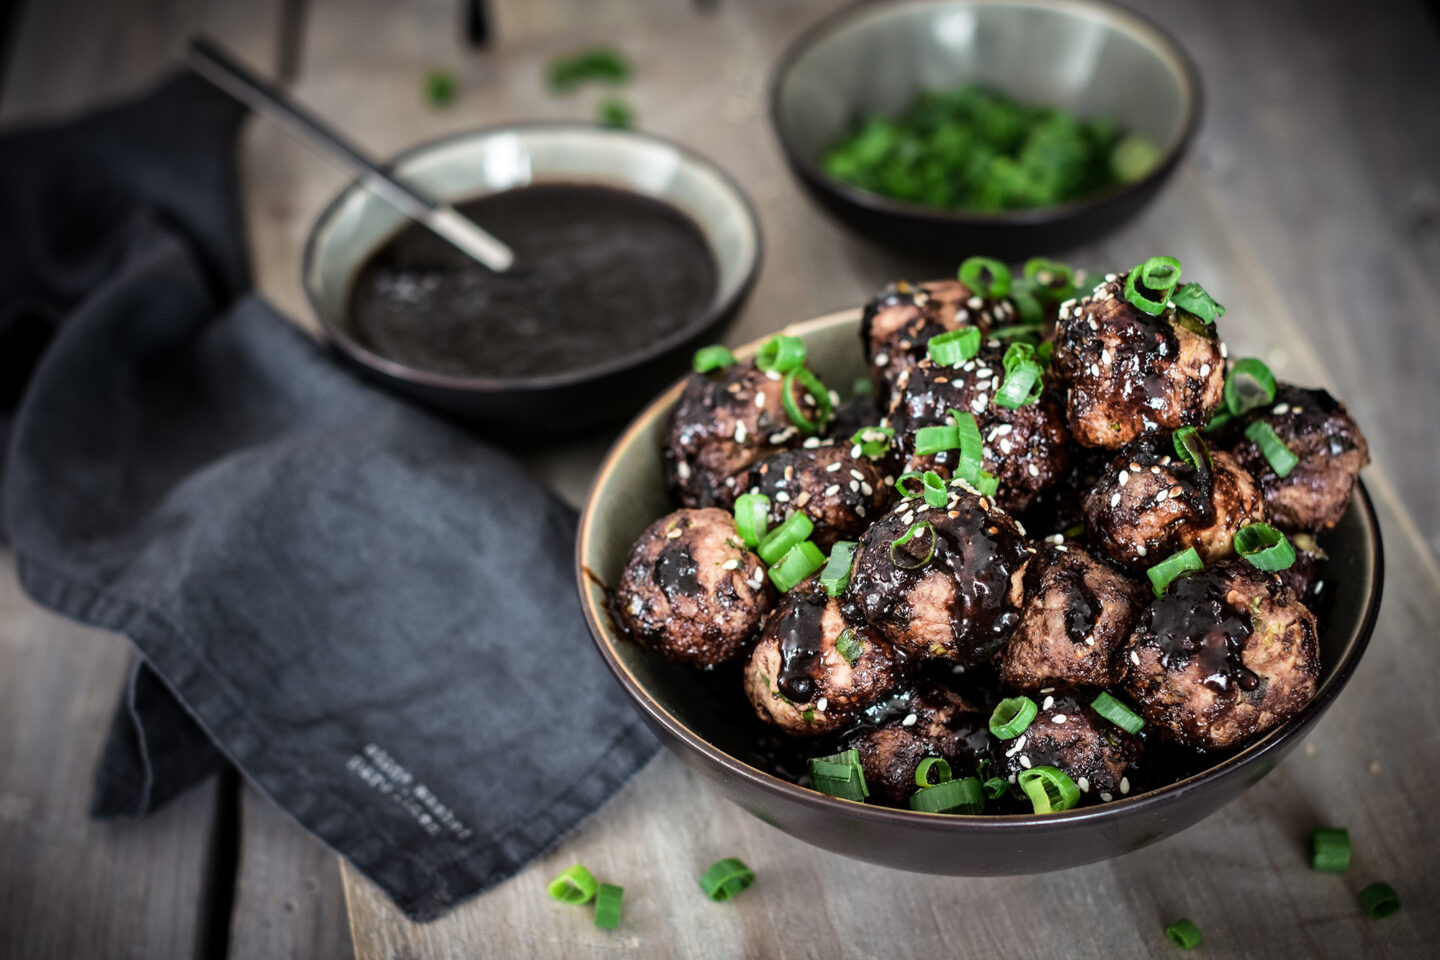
1058, 718
983, 372
1115, 499
857, 474
1034, 470
1062, 548
860, 510
866, 489
1154, 469
1019, 745
1049, 702
760, 399
854, 486
1024, 761
1084, 784
1124, 477
1090, 640
978, 404
729, 481
740, 433
782, 497
772, 374
909, 517
821, 704
909, 720
789, 471
881, 359
974, 303
731, 564
673, 534
1281, 408
833, 467
1056, 538
1093, 324
1204, 369
1105, 357
1160, 496
856, 451
1124, 786
1004, 446
1224, 351
833, 489
1106, 797
1140, 550
1135, 658
682, 470
811, 443
1176, 490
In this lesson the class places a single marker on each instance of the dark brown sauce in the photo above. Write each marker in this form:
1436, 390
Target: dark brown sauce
676, 570
599, 274
1196, 622
802, 638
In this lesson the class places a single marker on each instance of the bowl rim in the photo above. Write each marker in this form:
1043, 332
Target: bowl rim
475, 384
1131, 22
1276, 740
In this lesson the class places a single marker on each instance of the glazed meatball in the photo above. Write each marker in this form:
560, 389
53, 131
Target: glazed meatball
896, 326
798, 676
1225, 655
1025, 448
840, 493
953, 590
1148, 505
691, 591
1332, 451
938, 723
724, 422
1060, 507
1130, 373
1078, 615
1068, 734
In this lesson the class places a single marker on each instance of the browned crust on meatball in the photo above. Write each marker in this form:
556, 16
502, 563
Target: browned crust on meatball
940, 723
1068, 734
840, 493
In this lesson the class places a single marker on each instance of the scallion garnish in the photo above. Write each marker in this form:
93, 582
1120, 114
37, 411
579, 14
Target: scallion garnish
1050, 789
725, 878
798, 563
955, 347
575, 885
1218, 421
1249, 385
781, 354
873, 441
849, 646
1050, 279
995, 787
778, 542
752, 518
1148, 286
1281, 458
1023, 377
836, 576
937, 494
1019, 331
839, 775
1012, 717
1193, 299
862, 387
1183, 934
964, 796
1380, 900
940, 765
1330, 849
817, 392
1264, 547
1027, 305
1192, 448
985, 277
930, 440
713, 357
1171, 567
905, 538
972, 447
607, 906
1117, 713
905, 493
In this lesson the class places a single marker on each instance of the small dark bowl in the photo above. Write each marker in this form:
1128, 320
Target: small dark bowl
629, 492
1088, 57
457, 168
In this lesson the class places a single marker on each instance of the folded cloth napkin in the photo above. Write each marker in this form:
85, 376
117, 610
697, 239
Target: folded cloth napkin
368, 611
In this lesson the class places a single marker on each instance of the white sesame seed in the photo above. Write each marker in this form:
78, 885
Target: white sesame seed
1094, 369
1281, 408
760, 399
729, 481
682, 470
1034, 470
856, 451
1111, 278
857, 474
1093, 325
673, 534
833, 489
909, 720
1204, 369
1058, 718
1049, 702
1105, 357
1090, 640
1062, 548
983, 372
740, 432
1056, 538
881, 359
1084, 784
1004, 445
1154, 469
1224, 351
1019, 745
731, 564
1115, 499
772, 374
860, 510
1106, 797
854, 486
1024, 761
1124, 478
782, 497
1161, 495
978, 404
1135, 658
866, 489
974, 303
821, 704
833, 467
1124, 786
1139, 549
811, 443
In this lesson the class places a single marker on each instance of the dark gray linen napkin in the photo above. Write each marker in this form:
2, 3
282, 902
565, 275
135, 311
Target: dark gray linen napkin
368, 610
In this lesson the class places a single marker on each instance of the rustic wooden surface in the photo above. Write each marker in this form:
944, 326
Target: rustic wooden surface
1312, 200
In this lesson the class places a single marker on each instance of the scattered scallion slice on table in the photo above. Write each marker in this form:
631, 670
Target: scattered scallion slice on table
986, 277
817, 392
1117, 713
1184, 934
1149, 285
1193, 299
798, 563
965, 796
725, 878
1264, 547
615, 114
940, 765
714, 357
1171, 567
905, 538
1330, 849
1050, 789
441, 88
752, 518
1380, 900
1012, 717
955, 347
1249, 385
778, 542
575, 885
607, 906
1281, 458
836, 575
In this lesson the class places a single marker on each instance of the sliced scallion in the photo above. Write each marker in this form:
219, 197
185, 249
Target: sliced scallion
905, 538
778, 542
752, 518
781, 354
995, 787
1117, 713
954, 347
1193, 299
1171, 567
575, 885
1050, 279
1184, 934
940, 765
849, 646
1023, 377
937, 494
1380, 900
836, 575
930, 440
985, 277
1330, 849
798, 563
725, 878
1249, 385
1149, 285
712, 358
1264, 547
1012, 717
818, 394
905, 492
607, 906
1050, 789
1192, 448
1281, 458
840, 775
873, 441
964, 796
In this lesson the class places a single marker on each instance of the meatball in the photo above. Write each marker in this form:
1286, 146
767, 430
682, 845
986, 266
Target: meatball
1148, 505
1131, 373
1303, 576
1025, 448
899, 322
1059, 508
938, 723
798, 676
724, 422
691, 591
1332, 451
1078, 615
840, 493
953, 590
1068, 734
862, 410
1225, 655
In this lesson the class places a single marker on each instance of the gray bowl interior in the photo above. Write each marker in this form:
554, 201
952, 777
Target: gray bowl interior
1090, 58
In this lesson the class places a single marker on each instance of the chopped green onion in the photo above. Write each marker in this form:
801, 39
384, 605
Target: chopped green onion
1117, 713
802, 560
1050, 789
1282, 459
1044, 353
906, 538
972, 447
848, 646
607, 906
930, 440
1217, 422
1264, 547
995, 787
937, 494
781, 354
911, 475
440, 88
955, 347
1023, 377
1380, 900
1168, 569
1012, 717
862, 387
1148, 286
985, 277
713, 357
1052, 279
873, 441
725, 878
836, 576
940, 765
778, 542
817, 392
964, 796
1019, 330
987, 484
1027, 306
600, 64
752, 518
1330, 849
1183, 934
1193, 299
615, 114
840, 775
575, 885
1249, 385
1192, 448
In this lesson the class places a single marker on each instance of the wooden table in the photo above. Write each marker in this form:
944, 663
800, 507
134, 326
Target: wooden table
1310, 205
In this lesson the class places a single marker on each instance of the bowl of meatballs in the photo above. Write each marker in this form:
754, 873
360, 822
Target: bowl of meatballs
1000, 574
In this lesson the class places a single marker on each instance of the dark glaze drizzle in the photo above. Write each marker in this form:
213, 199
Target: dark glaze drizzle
676, 570
802, 641
1196, 622
1197, 484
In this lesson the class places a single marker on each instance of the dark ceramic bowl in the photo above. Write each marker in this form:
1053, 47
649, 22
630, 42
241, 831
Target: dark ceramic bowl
1088, 57
458, 168
703, 729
